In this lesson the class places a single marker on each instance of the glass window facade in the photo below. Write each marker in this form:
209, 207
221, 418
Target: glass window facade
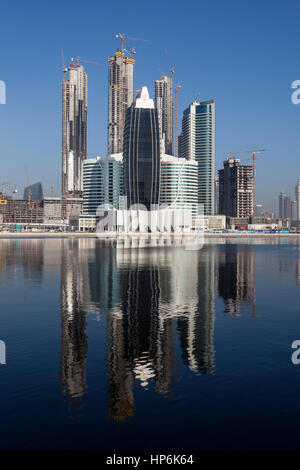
142, 157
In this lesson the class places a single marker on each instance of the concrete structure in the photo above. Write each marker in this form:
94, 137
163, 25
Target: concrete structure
164, 105
211, 222
120, 70
178, 183
56, 214
197, 142
74, 130
236, 189
21, 212
35, 191
102, 182
141, 154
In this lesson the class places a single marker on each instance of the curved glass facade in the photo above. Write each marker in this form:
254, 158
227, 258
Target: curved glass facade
142, 156
179, 183
102, 182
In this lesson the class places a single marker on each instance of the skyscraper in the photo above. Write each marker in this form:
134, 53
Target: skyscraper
297, 194
34, 192
294, 210
164, 105
236, 189
282, 197
141, 154
120, 98
74, 129
197, 142
285, 206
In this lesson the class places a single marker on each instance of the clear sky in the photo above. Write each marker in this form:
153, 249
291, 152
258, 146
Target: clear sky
243, 54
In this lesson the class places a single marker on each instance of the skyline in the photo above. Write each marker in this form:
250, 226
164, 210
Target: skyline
259, 81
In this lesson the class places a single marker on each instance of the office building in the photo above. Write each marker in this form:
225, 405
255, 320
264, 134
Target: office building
297, 196
74, 129
197, 142
102, 182
282, 197
217, 193
258, 210
141, 157
285, 206
178, 183
294, 210
34, 192
236, 189
164, 105
120, 98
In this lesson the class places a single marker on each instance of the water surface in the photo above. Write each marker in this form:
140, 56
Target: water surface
157, 347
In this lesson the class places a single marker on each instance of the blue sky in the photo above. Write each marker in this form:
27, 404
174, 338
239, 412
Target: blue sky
243, 54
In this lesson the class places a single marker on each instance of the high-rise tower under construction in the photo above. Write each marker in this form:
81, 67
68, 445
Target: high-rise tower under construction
120, 98
164, 105
74, 129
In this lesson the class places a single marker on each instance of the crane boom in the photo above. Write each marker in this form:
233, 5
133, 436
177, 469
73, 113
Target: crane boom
78, 60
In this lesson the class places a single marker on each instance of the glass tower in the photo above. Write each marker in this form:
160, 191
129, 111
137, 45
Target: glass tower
102, 182
179, 183
141, 154
197, 142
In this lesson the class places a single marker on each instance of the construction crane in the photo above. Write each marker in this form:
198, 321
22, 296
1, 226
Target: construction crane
78, 60
64, 67
176, 119
254, 151
6, 185
123, 37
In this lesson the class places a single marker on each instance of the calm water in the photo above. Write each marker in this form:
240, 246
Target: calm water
155, 347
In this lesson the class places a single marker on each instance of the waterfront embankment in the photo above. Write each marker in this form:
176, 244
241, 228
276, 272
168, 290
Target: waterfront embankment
15, 235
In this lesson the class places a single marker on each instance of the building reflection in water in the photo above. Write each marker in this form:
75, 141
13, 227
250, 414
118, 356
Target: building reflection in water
73, 322
27, 254
154, 298
236, 277
158, 301
297, 270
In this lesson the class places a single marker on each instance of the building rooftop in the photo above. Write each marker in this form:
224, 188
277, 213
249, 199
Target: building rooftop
143, 100
165, 158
